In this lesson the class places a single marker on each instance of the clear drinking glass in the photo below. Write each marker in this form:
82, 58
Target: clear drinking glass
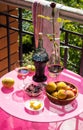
54, 64
22, 71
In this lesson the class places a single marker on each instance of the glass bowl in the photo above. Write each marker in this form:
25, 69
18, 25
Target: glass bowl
33, 90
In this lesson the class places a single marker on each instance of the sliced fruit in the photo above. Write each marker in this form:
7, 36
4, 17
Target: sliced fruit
35, 105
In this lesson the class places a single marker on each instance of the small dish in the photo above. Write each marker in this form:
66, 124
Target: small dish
33, 90
34, 106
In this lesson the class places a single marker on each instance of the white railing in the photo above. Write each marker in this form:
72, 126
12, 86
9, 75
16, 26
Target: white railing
64, 11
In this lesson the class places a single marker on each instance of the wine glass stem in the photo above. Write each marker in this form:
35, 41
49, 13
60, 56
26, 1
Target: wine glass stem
23, 82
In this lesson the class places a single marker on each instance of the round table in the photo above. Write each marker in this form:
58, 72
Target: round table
12, 101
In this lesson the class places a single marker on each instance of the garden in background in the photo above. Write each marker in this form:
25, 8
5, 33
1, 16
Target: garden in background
73, 55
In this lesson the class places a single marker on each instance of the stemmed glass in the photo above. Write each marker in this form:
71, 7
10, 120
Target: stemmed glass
22, 71
54, 69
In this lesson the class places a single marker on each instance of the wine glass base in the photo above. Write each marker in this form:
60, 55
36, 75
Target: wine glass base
53, 74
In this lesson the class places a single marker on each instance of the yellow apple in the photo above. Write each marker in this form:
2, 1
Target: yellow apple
61, 94
8, 82
61, 85
70, 93
51, 87
31, 67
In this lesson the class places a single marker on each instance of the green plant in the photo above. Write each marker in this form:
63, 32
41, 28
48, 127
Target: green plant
28, 57
28, 45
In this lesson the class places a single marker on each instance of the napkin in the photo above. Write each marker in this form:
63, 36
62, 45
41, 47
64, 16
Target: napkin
42, 7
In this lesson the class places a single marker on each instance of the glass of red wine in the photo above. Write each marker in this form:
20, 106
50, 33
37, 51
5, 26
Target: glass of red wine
54, 69
22, 71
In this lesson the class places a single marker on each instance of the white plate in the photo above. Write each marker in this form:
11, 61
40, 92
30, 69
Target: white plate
27, 105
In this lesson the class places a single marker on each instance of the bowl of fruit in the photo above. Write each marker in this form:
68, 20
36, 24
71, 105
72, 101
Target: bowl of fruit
33, 90
61, 93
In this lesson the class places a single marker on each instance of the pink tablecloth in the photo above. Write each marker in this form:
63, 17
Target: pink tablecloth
9, 122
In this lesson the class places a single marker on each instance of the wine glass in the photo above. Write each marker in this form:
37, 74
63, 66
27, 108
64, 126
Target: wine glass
54, 69
22, 71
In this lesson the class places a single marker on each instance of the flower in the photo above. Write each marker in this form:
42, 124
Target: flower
52, 5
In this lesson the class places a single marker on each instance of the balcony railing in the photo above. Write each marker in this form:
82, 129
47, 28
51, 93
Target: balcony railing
65, 12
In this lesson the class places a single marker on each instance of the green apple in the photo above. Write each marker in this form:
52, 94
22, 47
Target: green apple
8, 82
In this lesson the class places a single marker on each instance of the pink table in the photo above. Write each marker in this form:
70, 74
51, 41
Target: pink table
12, 105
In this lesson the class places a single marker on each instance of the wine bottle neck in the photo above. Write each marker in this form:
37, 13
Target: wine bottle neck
40, 43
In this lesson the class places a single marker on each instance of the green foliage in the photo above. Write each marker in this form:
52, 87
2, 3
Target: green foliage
27, 26
73, 55
27, 14
28, 45
27, 40
71, 3
28, 57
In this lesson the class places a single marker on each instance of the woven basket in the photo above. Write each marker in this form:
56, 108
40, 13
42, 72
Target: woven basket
62, 101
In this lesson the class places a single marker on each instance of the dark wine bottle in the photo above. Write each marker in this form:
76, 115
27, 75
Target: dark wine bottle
40, 57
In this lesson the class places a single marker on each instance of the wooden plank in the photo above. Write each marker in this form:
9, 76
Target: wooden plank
3, 40
14, 37
14, 48
3, 72
3, 32
14, 24
3, 64
3, 54
12, 7
14, 11
14, 57
2, 19
3, 43
3, 7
